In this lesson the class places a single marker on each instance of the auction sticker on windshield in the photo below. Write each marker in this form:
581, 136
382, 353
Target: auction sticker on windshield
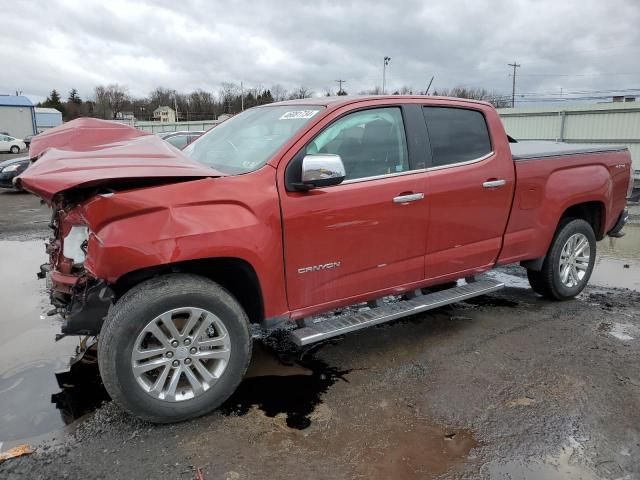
298, 114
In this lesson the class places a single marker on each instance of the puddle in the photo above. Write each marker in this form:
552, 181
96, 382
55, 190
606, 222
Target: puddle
81, 387
616, 273
618, 261
627, 246
29, 356
562, 466
287, 382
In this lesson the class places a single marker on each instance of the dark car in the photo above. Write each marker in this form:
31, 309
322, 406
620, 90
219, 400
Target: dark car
27, 139
180, 139
9, 169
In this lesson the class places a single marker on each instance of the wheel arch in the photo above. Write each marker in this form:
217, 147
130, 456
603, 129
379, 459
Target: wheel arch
592, 212
234, 274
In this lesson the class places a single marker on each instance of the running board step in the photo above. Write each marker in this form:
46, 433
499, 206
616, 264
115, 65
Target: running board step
355, 321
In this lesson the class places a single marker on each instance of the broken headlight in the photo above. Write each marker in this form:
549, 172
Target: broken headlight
74, 245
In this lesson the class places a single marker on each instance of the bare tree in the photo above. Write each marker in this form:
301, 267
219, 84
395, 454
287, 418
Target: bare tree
228, 93
278, 93
162, 97
101, 108
301, 92
498, 101
118, 97
372, 91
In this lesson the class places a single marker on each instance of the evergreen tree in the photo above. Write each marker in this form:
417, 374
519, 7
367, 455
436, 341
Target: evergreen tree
74, 97
53, 101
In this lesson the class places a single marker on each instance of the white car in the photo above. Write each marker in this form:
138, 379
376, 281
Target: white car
10, 144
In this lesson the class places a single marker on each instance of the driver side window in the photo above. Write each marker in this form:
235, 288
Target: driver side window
370, 142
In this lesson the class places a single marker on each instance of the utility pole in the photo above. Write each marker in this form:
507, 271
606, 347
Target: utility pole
340, 82
384, 72
429, 86
241, 97
513, 87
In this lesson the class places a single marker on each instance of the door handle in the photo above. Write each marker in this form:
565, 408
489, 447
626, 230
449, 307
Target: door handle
412, 197
494, 183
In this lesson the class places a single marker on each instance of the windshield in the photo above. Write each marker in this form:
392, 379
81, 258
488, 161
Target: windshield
245, 142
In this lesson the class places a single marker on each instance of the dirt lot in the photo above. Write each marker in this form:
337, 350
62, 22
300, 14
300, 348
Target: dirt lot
504, 386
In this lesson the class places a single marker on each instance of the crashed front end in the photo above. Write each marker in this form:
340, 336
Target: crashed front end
73, 165
81, 299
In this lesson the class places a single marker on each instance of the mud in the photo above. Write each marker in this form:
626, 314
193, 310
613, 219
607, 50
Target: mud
507, 386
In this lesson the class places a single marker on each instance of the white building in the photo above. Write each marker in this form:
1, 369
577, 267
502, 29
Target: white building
164, 114
616, 123
17, 116
47, 118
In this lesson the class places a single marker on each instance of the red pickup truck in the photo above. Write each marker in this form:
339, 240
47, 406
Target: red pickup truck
176, 260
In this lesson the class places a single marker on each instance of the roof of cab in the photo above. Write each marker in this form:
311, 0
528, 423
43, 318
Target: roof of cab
347, 99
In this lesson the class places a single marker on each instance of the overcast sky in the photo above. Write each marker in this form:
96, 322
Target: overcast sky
190, 44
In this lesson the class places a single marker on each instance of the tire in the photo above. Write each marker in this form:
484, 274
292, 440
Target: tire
550, 281
176, 298
15, 149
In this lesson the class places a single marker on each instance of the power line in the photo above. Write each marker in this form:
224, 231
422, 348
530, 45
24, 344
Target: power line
513, 87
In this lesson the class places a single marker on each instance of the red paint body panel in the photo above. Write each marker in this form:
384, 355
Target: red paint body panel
546, 188
466, 220
459, 228
167, 224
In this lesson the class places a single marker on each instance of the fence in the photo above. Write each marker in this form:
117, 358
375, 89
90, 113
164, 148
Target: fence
158, 127
609, 124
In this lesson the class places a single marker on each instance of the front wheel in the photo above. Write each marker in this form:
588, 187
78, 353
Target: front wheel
15, 149
569, 262
174, 347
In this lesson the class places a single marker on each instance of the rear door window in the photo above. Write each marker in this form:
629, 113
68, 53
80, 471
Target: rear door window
456, 135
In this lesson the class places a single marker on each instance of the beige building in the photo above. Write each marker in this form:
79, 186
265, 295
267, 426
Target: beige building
164, 114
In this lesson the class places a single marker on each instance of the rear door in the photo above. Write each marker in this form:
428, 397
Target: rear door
471, 185
4, 143
368, 233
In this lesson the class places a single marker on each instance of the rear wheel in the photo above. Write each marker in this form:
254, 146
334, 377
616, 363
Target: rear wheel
174, 347
569, 262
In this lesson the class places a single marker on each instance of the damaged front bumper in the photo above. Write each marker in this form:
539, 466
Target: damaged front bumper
81, 301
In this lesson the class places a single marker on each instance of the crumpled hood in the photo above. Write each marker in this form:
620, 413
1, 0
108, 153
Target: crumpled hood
88, 152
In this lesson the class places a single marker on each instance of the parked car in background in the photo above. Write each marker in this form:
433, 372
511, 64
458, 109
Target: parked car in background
11, 144
10, 169
180, 139
27, 139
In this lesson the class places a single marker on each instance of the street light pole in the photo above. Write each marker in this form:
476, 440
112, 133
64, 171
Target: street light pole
384, 72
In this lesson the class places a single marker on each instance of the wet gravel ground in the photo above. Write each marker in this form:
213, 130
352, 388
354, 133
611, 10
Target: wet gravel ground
503, 386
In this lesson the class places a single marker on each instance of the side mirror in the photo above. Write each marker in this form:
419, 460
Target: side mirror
322, 170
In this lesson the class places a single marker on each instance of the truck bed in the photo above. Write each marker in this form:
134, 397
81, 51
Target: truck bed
528, 150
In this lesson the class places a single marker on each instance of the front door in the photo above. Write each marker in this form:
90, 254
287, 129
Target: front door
366, 234
470, 187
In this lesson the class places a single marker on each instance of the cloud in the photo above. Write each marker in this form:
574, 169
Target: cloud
199, 44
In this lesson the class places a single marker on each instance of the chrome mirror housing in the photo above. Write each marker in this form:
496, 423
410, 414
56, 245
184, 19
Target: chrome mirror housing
322, 170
